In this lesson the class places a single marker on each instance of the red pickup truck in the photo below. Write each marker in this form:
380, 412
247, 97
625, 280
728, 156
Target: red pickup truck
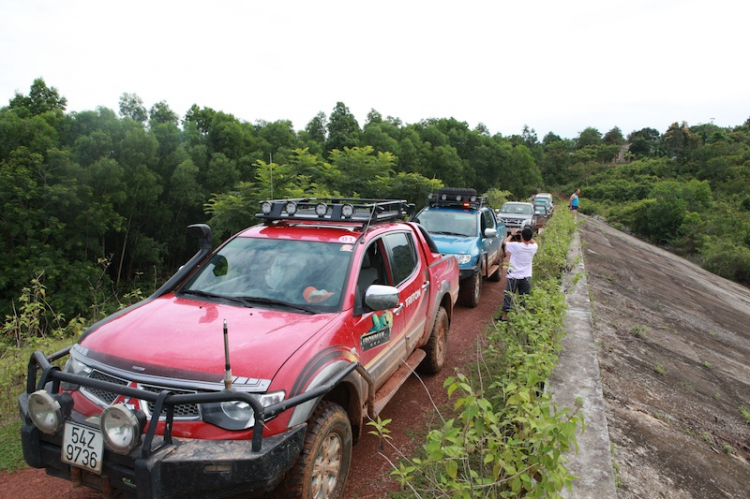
256, 365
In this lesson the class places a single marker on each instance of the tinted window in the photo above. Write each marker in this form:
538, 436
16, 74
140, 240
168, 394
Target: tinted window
488, 220
404, 256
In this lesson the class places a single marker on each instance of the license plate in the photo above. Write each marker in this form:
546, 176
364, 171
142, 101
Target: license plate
83, 446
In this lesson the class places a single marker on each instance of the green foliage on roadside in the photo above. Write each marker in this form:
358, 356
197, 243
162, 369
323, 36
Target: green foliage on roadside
506, 438
686, 189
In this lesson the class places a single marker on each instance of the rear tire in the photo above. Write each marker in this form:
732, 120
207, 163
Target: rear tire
436, 346
470, 291
323, 465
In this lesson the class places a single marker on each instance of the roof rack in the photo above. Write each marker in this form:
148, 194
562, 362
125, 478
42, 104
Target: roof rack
340, 210
457, 197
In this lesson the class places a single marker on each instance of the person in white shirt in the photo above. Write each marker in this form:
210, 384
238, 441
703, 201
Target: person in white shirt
519, 270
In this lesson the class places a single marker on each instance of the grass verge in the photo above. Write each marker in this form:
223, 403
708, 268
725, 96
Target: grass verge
505, 437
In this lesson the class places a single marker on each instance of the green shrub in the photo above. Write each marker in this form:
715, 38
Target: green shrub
507, 439
728, 260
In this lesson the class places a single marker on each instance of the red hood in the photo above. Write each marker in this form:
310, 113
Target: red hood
172, 336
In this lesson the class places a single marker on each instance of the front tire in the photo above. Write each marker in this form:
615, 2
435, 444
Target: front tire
437, 345
323, 465
470, 290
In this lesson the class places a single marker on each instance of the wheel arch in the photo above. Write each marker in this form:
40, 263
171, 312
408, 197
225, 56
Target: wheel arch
348, 394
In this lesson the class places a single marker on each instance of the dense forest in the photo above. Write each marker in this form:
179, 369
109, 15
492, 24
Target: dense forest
95, 203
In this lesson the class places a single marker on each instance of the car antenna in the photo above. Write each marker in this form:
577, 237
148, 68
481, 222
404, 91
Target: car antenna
270, 164
228, 369
367, 225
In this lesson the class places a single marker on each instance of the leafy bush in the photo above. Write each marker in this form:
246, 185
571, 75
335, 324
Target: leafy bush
724, 258
507, 439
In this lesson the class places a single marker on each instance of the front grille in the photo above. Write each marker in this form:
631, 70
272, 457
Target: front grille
182, 411
105, 397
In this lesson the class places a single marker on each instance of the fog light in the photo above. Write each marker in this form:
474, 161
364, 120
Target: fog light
347, 211
321, 209
265, 207
291, 208
45, 412
121, 428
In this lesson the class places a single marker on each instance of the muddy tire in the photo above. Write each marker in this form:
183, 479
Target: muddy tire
323, 465
470, 291
437, 345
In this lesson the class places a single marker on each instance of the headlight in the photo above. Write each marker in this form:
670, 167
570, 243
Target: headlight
45, 412
462, 259
236, 414
122, 428
74, 366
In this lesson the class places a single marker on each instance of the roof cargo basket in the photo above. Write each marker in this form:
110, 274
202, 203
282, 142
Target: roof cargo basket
339, 210
457, 197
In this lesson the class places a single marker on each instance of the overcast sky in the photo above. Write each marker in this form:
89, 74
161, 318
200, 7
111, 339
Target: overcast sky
557, 66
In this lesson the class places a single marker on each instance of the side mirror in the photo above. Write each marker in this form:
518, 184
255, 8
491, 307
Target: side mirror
379, 297
490, 232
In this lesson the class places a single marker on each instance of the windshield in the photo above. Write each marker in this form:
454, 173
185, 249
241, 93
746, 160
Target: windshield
270, 273
449, 222
517, 208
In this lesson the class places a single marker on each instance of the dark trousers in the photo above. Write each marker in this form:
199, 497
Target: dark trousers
522, 286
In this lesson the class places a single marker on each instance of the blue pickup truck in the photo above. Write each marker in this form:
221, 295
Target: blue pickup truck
462, 224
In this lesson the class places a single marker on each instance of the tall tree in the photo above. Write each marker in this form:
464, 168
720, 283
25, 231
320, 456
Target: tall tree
131, 106
343, 129
589, 137
614, 137
41, 99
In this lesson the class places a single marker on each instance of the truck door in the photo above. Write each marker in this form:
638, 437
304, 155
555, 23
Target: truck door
491, 246
380, 333
411, 277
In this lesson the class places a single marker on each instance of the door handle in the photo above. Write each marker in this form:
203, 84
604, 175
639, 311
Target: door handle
399, 309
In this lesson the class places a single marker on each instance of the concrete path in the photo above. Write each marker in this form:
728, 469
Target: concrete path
577, 375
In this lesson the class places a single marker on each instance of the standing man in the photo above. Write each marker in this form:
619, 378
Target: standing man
574, 202
519, 271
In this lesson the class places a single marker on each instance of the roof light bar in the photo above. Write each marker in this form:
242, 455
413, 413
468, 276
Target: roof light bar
335, 210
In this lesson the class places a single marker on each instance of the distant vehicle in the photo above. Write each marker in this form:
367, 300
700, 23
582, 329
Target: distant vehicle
517, 215
542, 212
324, 309
546, 198
463, 225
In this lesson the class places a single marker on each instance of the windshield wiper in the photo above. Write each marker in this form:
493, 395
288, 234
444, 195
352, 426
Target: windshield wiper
207, 294
270, 301
449, 233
